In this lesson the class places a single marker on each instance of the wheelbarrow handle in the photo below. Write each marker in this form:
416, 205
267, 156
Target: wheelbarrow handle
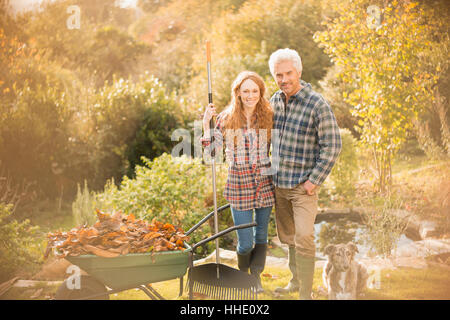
205, 219
221, 233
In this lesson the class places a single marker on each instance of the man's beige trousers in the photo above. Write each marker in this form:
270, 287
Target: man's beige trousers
295, 213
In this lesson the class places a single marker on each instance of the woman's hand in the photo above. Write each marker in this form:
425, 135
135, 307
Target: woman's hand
210, 111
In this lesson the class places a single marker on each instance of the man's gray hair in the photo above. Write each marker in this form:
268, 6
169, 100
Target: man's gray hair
285, 55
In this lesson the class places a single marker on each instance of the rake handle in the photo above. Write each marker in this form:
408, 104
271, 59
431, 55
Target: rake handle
221, 233
213, 160
206, 218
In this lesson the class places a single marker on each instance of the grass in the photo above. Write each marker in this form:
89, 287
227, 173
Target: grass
425, 193
400, 284
413, 284
420, 186
48, 215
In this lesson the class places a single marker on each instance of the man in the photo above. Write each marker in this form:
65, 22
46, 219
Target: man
308, 145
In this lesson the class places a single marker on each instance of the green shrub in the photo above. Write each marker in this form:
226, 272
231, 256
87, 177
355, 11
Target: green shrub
384, 228
345, 172
18, 251
170, 189
83, 208
340, 231
133, 119
35, 135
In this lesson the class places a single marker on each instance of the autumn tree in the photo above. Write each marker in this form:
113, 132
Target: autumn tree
244, 39
383, 50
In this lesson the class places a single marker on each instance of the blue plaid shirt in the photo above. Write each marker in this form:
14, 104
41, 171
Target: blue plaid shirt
306, 141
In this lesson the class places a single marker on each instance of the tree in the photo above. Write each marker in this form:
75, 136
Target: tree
96, 51
384, 63
279, 24
113, 52
244, 39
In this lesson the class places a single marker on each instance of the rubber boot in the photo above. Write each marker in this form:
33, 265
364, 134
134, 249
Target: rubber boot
305, 272
293, 285
243, 261
257, 264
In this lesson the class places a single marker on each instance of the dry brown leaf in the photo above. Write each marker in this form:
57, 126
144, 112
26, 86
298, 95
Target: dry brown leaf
115, 234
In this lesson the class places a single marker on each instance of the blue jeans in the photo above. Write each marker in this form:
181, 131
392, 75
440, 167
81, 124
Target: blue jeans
248, 236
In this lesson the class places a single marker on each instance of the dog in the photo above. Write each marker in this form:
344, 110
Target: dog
343, 277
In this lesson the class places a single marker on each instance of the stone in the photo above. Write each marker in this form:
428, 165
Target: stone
427, 229
423, 248
54, 269
229, 257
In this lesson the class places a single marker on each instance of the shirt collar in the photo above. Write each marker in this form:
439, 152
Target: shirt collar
302, 93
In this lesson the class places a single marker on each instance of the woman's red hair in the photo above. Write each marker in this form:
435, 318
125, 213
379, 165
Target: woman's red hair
262, 117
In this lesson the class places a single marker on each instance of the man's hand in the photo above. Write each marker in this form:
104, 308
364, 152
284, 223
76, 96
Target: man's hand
310, 188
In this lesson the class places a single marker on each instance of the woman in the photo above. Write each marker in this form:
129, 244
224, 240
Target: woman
246, 125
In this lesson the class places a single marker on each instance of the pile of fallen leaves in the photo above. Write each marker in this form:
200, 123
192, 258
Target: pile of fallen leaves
116, 234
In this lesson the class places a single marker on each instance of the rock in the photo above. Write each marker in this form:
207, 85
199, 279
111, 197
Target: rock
277, 242
336, 214
417, 228
427, 229
35, 283
229, 257
54, 269
5, 286
423, 248
376, 264
410, 262
37, 293
319, 264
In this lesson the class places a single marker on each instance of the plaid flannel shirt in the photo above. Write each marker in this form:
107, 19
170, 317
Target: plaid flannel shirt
249, 183
308, 140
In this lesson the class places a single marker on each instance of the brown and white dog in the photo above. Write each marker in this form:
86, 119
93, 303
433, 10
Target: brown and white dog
343, 277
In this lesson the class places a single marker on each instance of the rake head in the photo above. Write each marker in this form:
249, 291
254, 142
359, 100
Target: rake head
232, 284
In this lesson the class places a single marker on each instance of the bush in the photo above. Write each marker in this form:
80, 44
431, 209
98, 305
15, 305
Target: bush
341, 231
175, 190
35, 137
18, 252
384, 228
132, 115
341, 182
345, 172
83, 207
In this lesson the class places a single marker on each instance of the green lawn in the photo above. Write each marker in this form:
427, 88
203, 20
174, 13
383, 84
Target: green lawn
400, 284
426, 199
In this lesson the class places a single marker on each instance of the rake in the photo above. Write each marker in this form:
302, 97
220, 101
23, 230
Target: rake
217, 280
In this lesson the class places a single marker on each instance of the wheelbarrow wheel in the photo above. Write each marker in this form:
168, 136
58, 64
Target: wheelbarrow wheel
88, 287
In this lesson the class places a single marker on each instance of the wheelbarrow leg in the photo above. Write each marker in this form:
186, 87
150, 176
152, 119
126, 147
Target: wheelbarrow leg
181, 287
160, 297
190, 282
191, 286
147, 292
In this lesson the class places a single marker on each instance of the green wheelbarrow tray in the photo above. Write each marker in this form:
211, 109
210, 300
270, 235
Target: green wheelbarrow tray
138, 270
134, 269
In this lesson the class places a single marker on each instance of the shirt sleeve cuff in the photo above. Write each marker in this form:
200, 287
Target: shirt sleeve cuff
205, 141
315, 180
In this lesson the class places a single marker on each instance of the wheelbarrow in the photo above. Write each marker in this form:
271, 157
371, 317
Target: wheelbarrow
107, 276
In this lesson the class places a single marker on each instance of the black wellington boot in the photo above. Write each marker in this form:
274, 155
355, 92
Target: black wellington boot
243, 261
257, 263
